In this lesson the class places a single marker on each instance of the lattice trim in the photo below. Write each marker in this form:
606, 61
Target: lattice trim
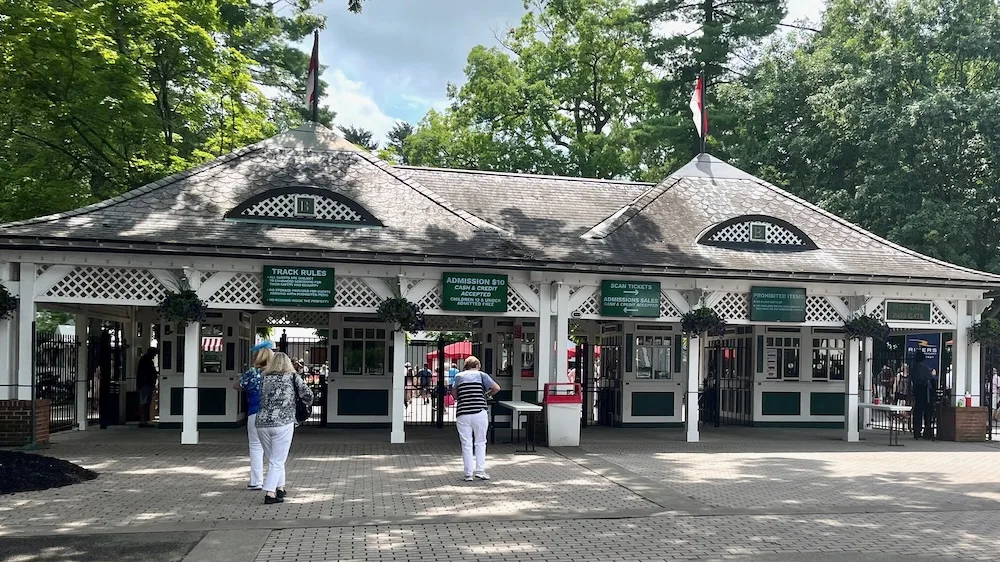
733, 306
774, 234
354, 292
819, 310
302, 319
111, 283
243, 288
432, 300
938, 316
283, 206
592, 306
449, 324
516, 303
667, 308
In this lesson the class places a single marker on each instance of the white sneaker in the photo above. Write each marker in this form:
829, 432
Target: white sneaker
469, 478
482, 476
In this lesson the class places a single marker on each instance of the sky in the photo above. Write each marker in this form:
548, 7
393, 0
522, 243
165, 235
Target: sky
393, 61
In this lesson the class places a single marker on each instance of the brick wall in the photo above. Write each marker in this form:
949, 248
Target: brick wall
963, 424
15, 422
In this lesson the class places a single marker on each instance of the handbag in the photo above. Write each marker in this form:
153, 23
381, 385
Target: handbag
303, 411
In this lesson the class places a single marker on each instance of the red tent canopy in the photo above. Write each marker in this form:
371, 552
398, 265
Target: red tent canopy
457, 350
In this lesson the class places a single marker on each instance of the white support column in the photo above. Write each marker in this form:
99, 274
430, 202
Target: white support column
961, 353
691, 434
851, 433
562, 334
25, 331
398, 387
543, 341
870, 382
81, 322
192, 354
7, 338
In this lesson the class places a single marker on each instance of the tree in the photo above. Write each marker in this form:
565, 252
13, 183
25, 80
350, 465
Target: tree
395, 143
891, 118
359, 136
48, 322
714, 36
99, 97
562, 96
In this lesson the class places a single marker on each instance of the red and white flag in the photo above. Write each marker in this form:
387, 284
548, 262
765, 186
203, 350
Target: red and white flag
698, 112
312, 91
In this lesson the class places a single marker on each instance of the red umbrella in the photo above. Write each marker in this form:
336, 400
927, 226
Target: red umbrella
457, 350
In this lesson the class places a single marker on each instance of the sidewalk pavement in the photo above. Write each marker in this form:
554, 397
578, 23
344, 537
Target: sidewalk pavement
624, 495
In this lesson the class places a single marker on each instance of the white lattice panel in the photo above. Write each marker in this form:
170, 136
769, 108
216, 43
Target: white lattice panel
302, 319
243, 288
283, 206
41, 269
590, 307
449, 324
353, 292
938, 316
880, 310
667, 308
819, 309
110, 283
516, 303
572, 290
411, 283
740, 233
432, 300
732, 306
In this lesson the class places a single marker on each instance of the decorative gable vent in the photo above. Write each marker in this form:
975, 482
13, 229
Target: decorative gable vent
756, 231
304, 205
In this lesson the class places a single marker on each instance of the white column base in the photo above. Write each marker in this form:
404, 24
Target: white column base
81, 405
397, 437
691, 434
189, 437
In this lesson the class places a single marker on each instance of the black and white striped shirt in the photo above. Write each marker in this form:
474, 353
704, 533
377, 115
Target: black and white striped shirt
471, 387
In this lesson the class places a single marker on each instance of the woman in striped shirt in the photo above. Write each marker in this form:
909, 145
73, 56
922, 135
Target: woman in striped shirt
471, 390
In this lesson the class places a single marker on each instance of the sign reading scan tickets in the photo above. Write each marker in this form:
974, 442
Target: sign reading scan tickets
474, 292
298, 286
630, 298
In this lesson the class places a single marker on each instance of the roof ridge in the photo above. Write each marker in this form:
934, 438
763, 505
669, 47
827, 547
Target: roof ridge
626, 213
526, 175
865, 232
433, 196
141, 190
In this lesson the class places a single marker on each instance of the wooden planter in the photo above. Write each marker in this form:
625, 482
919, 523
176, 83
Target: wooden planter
963, 424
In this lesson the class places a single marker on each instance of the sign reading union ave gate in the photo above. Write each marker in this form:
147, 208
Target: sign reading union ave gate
298, 286
474, 292
630, 298
777, 304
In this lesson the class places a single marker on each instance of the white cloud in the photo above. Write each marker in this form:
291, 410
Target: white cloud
355, 104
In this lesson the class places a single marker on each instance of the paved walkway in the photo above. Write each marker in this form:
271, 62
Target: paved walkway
624, 495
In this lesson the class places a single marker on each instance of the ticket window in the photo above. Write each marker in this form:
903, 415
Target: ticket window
653, 357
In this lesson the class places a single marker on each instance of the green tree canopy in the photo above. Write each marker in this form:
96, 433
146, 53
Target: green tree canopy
359, 136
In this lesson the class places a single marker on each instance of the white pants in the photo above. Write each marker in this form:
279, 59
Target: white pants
276, 442
472, 432
256, 452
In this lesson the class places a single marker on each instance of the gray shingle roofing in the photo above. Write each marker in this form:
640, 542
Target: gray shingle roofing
443, 216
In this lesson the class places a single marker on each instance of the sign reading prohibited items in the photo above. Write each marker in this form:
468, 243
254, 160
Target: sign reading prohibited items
298, 286
630, 298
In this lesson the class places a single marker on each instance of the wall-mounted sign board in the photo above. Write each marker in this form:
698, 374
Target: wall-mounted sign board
298, 286
630, 298
474, 292
777, 304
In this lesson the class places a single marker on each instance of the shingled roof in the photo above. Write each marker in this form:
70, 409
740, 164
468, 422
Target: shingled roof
689, 224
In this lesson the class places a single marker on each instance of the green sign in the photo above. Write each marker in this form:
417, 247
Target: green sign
908, 311
474, 292
305, 205
777, 304
630, 298
298, 286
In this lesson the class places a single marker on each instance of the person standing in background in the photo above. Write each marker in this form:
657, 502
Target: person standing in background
145, 382
924, 390
472, 390
250, 383
451, 375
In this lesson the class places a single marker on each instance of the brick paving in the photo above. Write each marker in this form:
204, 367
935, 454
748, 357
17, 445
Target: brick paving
624, 495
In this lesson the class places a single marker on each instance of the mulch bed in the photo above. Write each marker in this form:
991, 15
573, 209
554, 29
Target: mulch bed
23, 472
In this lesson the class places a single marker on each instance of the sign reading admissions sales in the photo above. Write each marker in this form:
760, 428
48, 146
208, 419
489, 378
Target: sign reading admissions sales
474, 292
630, 298
298, 286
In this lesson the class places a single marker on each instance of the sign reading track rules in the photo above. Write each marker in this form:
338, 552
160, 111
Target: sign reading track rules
298, 286
630, 298
474, 292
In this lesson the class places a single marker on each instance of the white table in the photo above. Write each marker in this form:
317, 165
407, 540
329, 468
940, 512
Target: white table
892, 409
518, 408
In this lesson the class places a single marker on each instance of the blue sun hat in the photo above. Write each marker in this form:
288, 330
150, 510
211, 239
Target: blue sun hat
266, 344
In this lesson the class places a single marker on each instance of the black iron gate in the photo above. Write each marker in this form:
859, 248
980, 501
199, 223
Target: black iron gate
991, 393
727, 398
55, 377
311, 355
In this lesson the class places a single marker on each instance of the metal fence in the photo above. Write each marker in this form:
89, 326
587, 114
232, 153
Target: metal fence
55, 377
313, 353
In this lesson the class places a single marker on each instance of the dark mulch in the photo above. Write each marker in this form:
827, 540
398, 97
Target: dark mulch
23, 472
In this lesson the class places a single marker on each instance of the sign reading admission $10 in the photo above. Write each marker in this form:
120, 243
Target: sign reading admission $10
474, 292
298, 286
630, 298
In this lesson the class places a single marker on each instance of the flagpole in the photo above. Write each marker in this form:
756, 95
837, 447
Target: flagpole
315, 101
704, 111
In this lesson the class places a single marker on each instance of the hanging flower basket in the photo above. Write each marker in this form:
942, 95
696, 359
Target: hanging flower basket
986, 332
402, 313
867, 326
8, 303
182, 308
703, 321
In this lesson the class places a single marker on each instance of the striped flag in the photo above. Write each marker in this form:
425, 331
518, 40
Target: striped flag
312, 82
698, 113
